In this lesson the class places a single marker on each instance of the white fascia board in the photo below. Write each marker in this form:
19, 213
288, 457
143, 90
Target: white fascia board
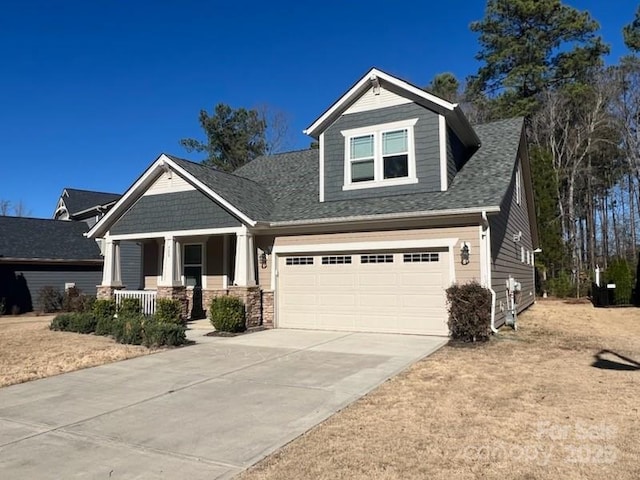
177, 233
444, 172
391, 216
366, 246
356, 90
210, 192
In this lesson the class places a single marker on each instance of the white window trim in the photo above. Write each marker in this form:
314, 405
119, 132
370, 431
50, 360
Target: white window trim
378, 166
203, 261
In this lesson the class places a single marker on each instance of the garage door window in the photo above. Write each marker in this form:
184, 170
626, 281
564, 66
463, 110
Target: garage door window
299, 261
337, 260
421, 257
376, 259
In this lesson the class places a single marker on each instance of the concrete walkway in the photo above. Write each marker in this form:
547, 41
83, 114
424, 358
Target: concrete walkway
205, 411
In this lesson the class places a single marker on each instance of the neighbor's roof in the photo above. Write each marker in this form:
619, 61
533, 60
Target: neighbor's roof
291, 179
78, 201
43, 239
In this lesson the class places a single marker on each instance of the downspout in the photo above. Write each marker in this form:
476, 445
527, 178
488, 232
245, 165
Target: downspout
487, 249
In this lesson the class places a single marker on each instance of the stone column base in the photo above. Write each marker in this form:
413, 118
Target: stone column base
105, 292
179, 293
267, 308
252, 298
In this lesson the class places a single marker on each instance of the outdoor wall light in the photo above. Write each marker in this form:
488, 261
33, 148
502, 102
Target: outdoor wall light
464, 253
264, 256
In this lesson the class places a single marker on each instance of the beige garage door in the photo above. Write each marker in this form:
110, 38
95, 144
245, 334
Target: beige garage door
397, 292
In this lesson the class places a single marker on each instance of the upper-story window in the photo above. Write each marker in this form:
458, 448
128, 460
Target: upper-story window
518, 185
380, 155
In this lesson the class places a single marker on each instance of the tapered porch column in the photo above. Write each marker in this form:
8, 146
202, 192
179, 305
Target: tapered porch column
171, 263
111, 270
245, 268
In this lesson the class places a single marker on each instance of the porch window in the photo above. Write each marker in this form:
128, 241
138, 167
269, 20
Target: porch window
193, 265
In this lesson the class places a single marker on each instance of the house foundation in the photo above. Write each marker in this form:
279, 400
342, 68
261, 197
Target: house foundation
104, 292
177, 292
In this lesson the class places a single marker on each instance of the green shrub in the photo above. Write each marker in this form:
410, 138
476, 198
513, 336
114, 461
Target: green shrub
561, 286
469, 312
74, 322
620, 273
169, 311
105, 308
104, 326
157, 334
50, 299
128, 329
129, 307
227, 314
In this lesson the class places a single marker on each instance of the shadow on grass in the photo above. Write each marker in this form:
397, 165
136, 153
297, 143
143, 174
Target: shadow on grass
620, 362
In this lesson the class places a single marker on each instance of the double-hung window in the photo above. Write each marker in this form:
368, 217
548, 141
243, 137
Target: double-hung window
380, 155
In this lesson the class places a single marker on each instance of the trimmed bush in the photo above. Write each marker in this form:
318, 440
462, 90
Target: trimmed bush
169, 311
227, 314
50, 299
74, 300
74, 322
469, 312
104, 308
129, 307
128, 329
104, 326
157, 334
619, 272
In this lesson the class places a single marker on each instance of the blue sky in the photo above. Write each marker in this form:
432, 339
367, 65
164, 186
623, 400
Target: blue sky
91, 92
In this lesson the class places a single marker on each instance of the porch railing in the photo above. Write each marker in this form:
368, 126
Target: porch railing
147, 299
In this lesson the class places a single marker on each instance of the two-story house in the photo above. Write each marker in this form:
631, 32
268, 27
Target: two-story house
402, 198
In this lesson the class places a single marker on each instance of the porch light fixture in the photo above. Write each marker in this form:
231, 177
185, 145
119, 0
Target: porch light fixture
464, 253
264, 256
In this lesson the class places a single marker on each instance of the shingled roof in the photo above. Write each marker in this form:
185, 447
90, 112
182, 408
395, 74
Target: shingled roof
78, 201
245, 194
43, 239
291, 180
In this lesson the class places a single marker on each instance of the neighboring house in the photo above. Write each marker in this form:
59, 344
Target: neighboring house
36, 252
88, 206
403, 198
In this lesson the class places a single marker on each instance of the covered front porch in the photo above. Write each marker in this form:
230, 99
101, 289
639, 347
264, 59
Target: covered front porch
190, 266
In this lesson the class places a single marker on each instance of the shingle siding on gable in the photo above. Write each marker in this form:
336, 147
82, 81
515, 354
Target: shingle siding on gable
506, 254
173, 211
427, 151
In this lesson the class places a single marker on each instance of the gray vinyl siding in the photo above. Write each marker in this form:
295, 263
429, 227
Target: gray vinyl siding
505, 253
456, 155
86, 278
173, 211
131, 265
427, 151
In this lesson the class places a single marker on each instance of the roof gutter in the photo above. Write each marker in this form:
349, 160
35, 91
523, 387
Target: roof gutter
390, 216
76, 261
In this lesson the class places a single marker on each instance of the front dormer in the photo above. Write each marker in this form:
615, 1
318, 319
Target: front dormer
387, 137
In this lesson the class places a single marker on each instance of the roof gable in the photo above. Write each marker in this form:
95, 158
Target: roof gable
374, 83
243, 198
77, 201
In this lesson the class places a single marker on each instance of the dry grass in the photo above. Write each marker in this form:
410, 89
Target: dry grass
528, 405
29, 350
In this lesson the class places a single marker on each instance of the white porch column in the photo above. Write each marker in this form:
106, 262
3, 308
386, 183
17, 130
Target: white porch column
111, 270
225, 262
244, 271
170, 263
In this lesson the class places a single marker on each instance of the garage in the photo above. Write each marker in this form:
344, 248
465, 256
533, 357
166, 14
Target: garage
381, 291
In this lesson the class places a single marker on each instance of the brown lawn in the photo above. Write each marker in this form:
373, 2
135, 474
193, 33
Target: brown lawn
528, 405
29, 350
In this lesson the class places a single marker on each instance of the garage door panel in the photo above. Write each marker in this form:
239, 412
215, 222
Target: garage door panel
398, 296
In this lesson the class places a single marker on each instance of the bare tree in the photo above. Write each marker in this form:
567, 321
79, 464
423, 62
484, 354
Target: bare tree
278, 134
5, 208
21, 210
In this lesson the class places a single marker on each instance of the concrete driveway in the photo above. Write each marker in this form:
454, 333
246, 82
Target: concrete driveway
204, 411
